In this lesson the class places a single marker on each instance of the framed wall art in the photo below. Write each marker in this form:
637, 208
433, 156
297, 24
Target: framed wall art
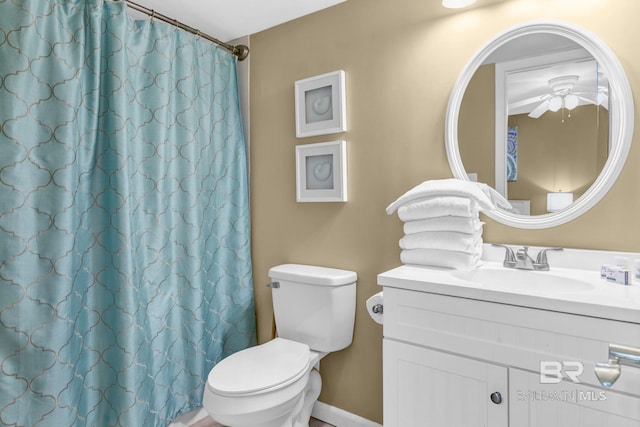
321, 105
321, 172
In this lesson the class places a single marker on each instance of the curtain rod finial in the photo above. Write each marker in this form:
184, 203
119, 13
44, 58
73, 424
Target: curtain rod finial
241, 51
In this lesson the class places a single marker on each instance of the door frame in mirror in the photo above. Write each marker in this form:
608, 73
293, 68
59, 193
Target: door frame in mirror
621, 117
502, 71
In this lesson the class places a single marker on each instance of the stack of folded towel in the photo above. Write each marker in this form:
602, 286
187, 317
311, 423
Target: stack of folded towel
441, 222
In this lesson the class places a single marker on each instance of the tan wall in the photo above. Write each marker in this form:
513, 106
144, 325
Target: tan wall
476, 125
401, 58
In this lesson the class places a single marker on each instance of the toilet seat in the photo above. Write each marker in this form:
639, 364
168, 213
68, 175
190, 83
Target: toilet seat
268, 366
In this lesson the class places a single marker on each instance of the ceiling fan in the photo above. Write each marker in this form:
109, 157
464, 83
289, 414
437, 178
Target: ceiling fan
563, 96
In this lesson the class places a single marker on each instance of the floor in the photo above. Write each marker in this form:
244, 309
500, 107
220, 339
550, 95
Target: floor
208, 422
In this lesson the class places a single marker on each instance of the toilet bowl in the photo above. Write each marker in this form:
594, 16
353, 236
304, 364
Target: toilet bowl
265, 386
275, 384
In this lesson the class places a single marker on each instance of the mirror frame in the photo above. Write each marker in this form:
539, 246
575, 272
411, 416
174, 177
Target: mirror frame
621, 119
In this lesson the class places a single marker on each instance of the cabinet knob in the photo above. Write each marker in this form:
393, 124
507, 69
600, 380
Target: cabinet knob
496, 397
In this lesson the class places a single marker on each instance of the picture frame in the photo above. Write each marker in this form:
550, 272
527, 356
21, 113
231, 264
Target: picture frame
321, 172
321, 105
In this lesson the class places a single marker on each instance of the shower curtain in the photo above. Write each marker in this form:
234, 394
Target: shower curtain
125, 270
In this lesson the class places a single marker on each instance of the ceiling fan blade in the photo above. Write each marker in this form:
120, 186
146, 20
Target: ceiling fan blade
525, 102
539, 110
592, 99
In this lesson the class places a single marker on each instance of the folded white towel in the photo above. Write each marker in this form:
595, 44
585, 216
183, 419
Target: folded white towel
438, 207
449, 240
460, 224
485, 196
440, 258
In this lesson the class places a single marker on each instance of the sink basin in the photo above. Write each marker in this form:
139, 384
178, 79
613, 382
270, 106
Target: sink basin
524, 280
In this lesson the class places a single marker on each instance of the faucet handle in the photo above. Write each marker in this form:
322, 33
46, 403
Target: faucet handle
541, 260
509, 256
523, 253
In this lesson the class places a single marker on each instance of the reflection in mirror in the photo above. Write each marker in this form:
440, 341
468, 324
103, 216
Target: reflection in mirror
543, 112
555, 137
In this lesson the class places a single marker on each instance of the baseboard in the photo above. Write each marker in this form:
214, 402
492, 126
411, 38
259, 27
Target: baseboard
322, 411
338, 417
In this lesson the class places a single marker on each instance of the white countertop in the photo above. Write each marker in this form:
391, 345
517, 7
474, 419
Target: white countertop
604, 300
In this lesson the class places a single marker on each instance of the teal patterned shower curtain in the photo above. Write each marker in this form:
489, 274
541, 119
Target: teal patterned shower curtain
125, 270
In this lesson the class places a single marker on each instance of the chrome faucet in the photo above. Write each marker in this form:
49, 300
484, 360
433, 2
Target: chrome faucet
523, 261
542, 264
509, 257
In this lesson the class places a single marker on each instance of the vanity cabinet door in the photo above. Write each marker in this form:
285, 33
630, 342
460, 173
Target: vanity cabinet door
428, 388
534, 404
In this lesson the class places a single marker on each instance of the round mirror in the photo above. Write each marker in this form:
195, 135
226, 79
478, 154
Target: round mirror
544, 114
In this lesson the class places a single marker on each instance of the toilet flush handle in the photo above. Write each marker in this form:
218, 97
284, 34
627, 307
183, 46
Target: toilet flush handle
273, 285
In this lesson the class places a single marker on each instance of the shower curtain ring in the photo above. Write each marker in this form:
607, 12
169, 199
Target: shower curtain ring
153, 15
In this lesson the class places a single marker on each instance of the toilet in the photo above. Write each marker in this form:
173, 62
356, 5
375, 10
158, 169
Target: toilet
275, 384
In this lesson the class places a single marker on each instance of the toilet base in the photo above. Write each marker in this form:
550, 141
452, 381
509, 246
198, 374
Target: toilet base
311, 394
272, 417
294, 413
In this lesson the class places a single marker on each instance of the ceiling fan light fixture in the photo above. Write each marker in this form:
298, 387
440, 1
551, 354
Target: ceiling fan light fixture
571, 101
457, 4
563, 84
555, 103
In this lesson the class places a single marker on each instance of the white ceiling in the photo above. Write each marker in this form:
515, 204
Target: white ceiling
546, 56
227, 20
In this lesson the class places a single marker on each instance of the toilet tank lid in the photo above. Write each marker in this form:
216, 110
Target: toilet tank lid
313, 275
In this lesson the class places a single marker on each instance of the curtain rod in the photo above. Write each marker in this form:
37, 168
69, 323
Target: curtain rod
241, 51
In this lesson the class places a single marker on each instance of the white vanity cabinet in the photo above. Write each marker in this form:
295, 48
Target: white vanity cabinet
454, 361
559, 405
424, 387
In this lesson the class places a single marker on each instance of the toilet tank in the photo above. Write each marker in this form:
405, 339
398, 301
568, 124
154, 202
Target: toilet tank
314, 305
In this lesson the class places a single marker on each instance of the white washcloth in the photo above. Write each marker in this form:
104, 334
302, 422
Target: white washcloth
460, 224
485, 196
449, 240
440, 258
438, 207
